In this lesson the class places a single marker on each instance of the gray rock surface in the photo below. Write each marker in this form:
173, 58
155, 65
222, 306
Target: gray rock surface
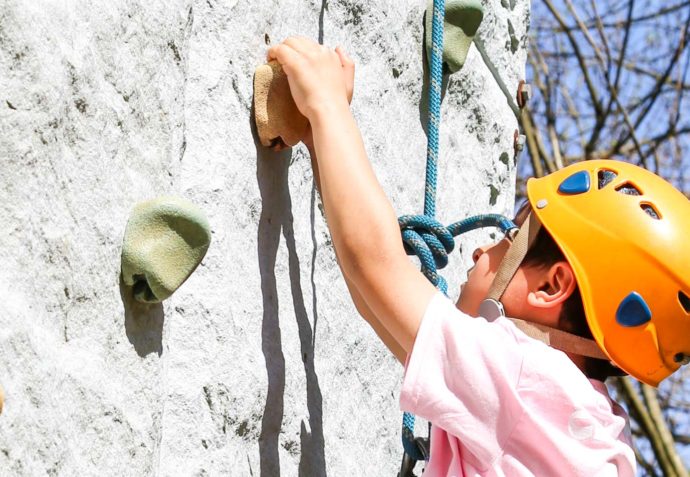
258, 364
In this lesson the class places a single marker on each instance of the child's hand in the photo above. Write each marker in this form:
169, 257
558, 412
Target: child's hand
349, 77
319, 77
348, 72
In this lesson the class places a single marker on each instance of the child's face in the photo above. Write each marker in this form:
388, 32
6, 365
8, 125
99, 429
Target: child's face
481, 276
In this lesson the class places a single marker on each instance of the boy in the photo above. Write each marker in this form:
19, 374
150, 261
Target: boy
601, 240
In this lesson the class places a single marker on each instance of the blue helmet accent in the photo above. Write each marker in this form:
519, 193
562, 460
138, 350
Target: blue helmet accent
633, 311
578, 183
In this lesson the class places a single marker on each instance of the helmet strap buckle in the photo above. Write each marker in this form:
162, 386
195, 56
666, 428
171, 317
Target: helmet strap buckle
491, 309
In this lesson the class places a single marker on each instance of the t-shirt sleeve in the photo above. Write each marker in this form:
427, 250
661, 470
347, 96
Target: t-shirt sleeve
462, 376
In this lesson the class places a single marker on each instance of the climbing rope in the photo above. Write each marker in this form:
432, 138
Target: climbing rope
434, 119
427, 238
423, 235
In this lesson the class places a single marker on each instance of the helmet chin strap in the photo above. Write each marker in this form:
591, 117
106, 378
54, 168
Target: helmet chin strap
492, 308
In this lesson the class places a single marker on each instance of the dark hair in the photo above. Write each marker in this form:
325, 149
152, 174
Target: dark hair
544, 252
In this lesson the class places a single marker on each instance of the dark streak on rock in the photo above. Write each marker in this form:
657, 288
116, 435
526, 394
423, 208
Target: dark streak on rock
494, 193
240, 96
243, 429
10, 105
514, 42
356, 13
72, 74
207, 395
291, 446
81, 105
41, 137
176, 52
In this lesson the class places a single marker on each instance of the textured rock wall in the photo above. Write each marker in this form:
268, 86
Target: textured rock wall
258, 364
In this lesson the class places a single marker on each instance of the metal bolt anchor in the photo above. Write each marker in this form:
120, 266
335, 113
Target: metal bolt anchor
524, 93
519, 141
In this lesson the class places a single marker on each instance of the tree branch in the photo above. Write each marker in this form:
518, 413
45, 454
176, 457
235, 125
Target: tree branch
647, 425
650, 398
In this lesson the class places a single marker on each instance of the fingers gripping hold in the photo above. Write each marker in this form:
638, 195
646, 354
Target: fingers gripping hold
314, 72
288, 58
300, 78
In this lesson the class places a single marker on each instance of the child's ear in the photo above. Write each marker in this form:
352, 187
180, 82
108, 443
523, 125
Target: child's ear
553, 287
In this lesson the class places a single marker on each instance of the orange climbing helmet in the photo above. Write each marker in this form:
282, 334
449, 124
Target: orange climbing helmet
626, 234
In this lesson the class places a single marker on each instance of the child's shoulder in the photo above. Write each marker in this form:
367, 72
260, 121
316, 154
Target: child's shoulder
550, 372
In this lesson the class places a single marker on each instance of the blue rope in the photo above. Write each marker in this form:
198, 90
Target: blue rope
434, 120
432, 242
423, 235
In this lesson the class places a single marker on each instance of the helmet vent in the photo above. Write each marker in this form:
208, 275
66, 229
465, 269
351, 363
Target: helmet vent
651, 211
628, 189
684, 301
605, 176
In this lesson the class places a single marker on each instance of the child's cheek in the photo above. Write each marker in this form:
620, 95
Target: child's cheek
467, 302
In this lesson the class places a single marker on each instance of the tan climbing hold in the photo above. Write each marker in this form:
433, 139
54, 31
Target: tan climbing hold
278, 121
2, 399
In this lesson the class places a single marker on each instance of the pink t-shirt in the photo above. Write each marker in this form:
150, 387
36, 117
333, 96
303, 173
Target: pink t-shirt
504, 404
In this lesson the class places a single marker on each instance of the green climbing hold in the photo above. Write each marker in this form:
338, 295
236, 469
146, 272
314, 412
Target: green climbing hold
165, 240
461, 22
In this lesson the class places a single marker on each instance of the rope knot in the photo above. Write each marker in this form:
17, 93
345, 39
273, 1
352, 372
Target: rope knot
427, 238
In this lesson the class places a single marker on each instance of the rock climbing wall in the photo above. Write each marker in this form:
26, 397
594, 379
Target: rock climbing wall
258, 364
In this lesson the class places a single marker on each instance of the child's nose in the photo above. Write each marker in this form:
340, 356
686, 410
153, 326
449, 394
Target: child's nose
479, 251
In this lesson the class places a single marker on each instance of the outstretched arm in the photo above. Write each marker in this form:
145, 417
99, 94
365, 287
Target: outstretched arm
360, 217
362, 307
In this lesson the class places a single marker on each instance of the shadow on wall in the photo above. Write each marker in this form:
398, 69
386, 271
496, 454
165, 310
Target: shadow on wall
276, 218
143, 322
